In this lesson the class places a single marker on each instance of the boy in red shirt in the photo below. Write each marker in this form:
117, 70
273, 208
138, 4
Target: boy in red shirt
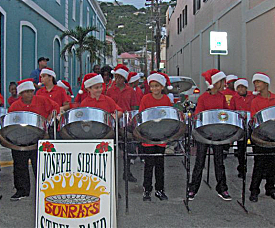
241, 101
52, 91
94, 84
125, 97
262, 164
157, 82
121, 93
133, 80
66, 85
229, 92
13, 92
211, 99
42, 106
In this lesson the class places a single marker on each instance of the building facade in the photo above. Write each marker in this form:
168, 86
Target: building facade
111, 57
130, 60
31, 29
249, 25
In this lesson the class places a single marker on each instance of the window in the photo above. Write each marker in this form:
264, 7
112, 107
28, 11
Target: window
185, 18
181, 22
196, 6
205, 0
178, 25
74, 9
88, 17
81, 13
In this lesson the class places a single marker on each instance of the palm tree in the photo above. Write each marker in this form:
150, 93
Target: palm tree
94, 47
80, 38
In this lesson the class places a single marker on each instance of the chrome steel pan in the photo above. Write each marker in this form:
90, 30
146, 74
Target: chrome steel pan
263, 133
217, 127
159, 125
86, 123
126, 120
22, 130
3, 111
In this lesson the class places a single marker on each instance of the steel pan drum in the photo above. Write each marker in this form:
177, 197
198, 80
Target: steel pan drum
86, 123
126, 120
159, 125
218, 127
263, 133
3, 111
22, 130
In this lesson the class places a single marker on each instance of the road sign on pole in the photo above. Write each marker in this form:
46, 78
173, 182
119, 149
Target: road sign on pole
218, 43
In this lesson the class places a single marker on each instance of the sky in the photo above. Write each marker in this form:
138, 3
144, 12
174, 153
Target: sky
137, 3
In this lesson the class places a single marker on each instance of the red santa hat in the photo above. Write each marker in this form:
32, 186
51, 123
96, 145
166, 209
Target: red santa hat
48, 71
240, 81
26, 84
90, 80
161, 78
132, 77
121, 70
66, 85
231, 78
212, 76
259, 76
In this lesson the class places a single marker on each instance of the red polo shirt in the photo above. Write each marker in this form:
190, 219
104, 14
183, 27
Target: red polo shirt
125, 98
2, 99
209, 101
148, 101
12, 99
238, 102
57, 94
260, 103
39, 105
228, 93
104, 102
80, 97
139, 94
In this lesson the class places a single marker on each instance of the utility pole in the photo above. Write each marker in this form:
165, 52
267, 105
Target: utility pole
152, 37
145, 59
158, 35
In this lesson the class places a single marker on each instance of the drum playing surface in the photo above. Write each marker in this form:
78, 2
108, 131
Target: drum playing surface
86, 123
159, 125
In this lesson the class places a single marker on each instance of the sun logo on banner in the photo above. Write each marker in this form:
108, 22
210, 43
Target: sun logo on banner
72, 195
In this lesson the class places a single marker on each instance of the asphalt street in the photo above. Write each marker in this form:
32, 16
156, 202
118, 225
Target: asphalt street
207, 209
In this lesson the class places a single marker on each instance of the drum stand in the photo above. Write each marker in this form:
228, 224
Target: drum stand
185, 151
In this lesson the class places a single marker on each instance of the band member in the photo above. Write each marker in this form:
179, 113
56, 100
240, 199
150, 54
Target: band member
229, 92
107, 77
241, 101
157, 82
125, 97
94, 84
211, 99
42, 106
133, 80
12, 89
66, 85
52, 91
262, 164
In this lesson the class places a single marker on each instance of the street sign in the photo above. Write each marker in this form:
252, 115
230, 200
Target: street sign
218, 43
76, 184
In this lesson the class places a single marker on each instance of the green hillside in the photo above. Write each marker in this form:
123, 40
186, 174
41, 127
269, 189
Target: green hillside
133, 35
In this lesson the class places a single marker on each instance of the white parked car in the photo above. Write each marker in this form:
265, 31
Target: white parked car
191, 94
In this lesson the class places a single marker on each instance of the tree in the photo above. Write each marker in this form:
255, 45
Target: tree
94, 47
80, 38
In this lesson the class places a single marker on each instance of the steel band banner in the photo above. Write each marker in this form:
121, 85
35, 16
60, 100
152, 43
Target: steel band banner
75, 184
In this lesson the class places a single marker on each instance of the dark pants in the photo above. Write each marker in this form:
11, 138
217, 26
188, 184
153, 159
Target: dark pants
263, 165
241, 156
21, 169
150, 162
199, 166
